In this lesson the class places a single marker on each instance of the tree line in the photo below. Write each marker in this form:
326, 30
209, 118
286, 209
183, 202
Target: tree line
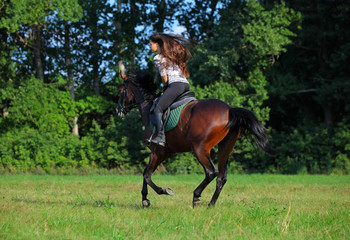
288, 61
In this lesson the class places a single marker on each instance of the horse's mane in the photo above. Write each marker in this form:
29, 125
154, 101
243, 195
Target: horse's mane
145, 83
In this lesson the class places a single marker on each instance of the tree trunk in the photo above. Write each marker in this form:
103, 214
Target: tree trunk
95, 65
211, 17
75, 129
118, 26
328, 115
162, 10
5, 110
323, 68
95, 51
133, 12
37, 51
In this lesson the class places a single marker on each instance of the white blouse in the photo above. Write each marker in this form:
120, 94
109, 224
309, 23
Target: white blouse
173, 71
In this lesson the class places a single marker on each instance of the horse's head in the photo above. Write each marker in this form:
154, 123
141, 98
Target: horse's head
136, 88
127, 99
126, 94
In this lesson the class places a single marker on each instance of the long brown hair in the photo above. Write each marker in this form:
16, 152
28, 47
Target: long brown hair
174, 48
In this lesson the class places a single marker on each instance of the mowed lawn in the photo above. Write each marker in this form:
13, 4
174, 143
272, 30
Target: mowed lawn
109, 207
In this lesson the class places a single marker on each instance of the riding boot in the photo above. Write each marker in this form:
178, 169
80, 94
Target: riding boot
156, 119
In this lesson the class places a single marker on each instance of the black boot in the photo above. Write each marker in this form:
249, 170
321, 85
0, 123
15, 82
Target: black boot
156, 119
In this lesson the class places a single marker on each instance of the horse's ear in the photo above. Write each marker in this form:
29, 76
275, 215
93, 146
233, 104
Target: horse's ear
122, 70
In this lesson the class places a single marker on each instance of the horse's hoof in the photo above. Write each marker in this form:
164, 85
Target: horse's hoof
146, 203
169, 191
211, 204
196, 202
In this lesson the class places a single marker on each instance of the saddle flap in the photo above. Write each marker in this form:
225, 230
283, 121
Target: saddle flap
171, 117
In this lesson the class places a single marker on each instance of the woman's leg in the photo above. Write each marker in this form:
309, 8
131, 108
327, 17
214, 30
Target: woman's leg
168, 97
170, 94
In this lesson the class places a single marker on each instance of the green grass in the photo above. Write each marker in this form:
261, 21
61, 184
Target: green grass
109, 207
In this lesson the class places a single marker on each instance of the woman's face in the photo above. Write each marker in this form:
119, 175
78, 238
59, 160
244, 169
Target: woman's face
154, 46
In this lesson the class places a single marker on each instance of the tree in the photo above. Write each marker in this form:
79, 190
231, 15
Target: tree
22, 24
245, 40
313, 74
26, 19
199, 17
247, 54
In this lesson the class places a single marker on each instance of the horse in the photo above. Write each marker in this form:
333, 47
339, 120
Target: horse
203, 124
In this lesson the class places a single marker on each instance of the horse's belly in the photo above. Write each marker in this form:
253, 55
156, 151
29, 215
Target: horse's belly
176, 142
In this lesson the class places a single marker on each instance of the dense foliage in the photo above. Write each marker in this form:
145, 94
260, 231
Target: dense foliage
287, 61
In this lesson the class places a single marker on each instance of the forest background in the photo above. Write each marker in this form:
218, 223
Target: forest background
288, 61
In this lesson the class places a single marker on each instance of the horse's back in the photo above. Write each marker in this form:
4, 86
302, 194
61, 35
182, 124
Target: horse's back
210, 106
210, 115
205, 113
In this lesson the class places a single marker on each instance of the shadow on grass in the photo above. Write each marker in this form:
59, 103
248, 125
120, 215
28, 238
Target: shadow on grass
80, 202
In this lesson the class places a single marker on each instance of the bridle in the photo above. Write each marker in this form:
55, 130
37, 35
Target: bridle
124, 109
125, 94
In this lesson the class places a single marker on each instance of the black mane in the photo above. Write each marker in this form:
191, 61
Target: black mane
145, 83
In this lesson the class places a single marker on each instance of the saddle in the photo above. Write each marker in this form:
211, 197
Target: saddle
183, 98
174, 109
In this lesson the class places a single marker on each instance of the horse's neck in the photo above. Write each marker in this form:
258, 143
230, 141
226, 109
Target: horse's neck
144, 109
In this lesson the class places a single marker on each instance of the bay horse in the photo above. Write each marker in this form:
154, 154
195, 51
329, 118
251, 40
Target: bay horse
203, 124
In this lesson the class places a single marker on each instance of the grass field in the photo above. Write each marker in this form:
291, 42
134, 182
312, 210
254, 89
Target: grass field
109, 207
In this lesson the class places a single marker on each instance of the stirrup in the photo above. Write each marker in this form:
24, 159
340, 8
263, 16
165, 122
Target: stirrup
158, 140
149, 140
160, 143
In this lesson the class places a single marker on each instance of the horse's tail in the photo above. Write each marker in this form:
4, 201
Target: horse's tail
246, 121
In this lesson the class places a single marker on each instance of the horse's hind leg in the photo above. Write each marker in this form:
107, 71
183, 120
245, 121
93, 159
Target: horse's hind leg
225, 148
210, 173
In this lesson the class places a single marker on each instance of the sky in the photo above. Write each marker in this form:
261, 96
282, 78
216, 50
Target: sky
176, 28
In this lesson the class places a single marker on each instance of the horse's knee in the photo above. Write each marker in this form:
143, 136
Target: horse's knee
220, 182
216, 172
147, 177
224, 180
210, 175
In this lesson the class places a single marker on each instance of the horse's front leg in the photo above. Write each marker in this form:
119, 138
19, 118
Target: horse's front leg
144, 192
155, 159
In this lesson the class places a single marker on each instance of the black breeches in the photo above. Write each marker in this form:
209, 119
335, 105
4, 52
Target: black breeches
170, 94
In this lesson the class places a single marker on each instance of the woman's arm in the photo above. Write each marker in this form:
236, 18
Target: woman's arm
161, 65
165, 80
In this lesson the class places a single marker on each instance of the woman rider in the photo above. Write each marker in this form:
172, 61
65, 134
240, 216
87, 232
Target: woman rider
171, 63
